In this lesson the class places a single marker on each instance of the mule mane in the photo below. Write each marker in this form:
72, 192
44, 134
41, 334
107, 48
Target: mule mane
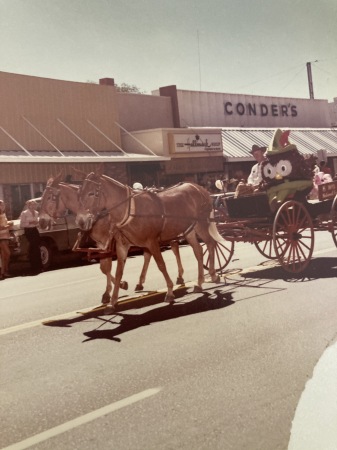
118, 183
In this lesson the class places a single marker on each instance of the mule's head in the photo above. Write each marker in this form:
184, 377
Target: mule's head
51, 205
89, 198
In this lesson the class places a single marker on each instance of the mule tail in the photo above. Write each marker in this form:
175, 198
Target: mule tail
213, 231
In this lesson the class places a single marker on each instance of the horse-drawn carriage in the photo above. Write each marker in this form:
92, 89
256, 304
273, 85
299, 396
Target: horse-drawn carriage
286, 235
277, 216
113, 212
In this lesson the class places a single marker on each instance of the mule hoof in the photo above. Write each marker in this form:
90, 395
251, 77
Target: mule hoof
109, 309
139, 287
105, 298
180, 280
197, 289
124, 285
169, 299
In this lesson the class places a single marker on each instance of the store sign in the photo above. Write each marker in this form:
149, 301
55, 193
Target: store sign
260, 109
191, 143
194, 165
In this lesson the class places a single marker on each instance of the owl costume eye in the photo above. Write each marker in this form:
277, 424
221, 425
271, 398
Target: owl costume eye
284, 167
269, 171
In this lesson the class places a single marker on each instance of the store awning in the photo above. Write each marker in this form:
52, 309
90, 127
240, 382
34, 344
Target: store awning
237, 142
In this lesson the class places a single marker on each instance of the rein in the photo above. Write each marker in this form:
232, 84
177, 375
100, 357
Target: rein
130, 209
104, 212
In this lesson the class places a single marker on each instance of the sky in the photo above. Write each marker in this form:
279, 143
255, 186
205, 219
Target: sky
253, 47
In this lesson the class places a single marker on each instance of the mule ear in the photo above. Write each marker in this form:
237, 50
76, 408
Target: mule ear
57, 179
50, 180
79, 173
100, 170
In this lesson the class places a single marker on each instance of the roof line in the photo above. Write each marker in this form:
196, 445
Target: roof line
42, 135
15, 141
137, 140
107, 137
74, 134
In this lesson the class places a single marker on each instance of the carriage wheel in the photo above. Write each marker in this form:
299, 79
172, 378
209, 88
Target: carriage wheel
266, 248
333, 215
293, 236
222, 255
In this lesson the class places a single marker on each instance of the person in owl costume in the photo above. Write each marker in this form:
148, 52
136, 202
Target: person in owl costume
286, 174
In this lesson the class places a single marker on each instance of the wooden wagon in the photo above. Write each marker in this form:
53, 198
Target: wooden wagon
286, 234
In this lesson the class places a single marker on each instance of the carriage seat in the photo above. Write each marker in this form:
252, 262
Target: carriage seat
254, 205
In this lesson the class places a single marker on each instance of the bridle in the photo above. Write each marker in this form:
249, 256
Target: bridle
97, 211
55, 199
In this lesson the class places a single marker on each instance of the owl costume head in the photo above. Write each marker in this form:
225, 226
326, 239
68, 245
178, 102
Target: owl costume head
285, 172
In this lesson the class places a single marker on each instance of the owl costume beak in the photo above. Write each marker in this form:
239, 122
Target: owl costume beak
278, 176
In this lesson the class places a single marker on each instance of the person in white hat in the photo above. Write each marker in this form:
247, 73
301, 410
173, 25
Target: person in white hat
255, 176
137, 185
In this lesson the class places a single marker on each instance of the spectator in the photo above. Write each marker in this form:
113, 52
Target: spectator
4, 241
255, 176
29, 220
324, 168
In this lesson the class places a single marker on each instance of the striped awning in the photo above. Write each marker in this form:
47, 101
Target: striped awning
237, 142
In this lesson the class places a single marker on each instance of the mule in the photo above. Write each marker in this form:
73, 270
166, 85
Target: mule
58, 197
143, 218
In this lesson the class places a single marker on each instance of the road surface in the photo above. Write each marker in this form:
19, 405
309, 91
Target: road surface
240, 366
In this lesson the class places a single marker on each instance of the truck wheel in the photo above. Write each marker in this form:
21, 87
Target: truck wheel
46, 255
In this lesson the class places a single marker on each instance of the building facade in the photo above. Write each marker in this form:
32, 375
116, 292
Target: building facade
48, 126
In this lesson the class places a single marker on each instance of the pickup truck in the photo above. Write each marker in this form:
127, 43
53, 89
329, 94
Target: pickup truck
59, 239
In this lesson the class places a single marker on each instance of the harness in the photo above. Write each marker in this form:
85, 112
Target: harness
130, 210
55, 199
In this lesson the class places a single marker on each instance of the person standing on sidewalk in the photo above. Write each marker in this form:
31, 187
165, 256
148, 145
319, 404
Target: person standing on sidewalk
29, 221
4, 241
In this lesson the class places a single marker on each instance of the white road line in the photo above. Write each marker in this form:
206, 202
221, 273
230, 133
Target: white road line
86, 418
38, 322
70, 314
48, 287
315, 423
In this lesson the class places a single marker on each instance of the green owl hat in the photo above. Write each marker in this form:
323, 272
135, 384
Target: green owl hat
280, 143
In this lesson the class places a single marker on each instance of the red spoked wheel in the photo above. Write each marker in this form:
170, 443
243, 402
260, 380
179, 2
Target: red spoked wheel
333, 215
266, 248
222, 255
293, 236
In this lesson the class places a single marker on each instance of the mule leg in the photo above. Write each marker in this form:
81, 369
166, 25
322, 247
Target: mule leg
122, 253
197, 250
106, 267
147, 258
156, 253
203, 231
175, 249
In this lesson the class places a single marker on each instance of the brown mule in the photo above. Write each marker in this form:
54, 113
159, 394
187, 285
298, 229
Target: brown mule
58, 197
143, 218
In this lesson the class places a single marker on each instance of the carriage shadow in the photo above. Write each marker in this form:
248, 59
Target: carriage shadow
317, 268
206, 302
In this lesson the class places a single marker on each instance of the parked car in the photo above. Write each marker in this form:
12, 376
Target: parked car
59, 239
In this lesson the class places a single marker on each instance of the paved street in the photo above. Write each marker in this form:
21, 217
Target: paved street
240, 366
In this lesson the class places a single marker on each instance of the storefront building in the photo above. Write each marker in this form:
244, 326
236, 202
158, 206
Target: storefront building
173, 135
48, 126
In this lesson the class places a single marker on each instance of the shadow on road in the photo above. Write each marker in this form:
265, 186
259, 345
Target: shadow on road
130, 322
318, 268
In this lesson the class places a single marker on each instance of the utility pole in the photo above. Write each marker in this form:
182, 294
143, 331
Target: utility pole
311, 87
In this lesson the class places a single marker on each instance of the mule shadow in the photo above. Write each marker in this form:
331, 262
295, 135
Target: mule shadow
317, 268
129, 322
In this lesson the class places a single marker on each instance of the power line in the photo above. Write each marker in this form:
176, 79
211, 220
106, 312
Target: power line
292, 79
271, 76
